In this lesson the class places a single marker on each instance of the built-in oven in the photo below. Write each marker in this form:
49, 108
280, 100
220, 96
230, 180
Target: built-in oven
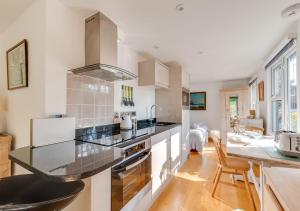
130, 177
185, 99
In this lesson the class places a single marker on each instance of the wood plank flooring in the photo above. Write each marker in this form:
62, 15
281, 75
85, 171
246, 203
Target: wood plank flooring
191, 188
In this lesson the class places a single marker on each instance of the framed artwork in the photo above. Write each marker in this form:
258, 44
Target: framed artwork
17, 66
198, 101
261, 93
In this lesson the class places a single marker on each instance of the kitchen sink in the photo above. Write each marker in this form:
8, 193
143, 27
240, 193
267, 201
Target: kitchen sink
164, 123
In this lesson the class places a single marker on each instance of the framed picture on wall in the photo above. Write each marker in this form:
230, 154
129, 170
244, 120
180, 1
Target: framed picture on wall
198, 101
261, 95
17, 66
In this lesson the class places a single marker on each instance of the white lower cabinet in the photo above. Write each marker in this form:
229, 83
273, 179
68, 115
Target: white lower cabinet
101, 191
270, 201
185, 145
175, 148
160, 161
166, 158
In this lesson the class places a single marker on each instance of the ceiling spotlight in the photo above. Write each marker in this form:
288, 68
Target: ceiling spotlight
200, 52
180, 7
155, 47
291, 10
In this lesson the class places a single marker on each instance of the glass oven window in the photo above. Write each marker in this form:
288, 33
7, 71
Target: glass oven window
128, 179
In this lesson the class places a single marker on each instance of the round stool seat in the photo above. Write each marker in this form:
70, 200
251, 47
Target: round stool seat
31, 192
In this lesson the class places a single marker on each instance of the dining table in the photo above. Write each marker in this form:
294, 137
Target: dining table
257, 149
260, 149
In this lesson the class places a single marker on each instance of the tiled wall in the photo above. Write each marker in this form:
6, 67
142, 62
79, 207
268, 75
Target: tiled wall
90, 100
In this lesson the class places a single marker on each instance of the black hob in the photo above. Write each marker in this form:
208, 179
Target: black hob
115, 139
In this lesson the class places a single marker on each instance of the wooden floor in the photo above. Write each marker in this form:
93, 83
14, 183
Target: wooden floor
191, 188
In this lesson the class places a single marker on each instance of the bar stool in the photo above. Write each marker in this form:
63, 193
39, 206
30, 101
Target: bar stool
31, 192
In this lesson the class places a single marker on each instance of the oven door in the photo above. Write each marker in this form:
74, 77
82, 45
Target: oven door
129, 178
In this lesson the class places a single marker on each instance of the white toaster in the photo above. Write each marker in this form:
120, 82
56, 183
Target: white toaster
288, 143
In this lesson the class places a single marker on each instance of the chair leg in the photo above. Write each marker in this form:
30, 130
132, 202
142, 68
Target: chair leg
245, 174
233, 179
216, 174
219, 172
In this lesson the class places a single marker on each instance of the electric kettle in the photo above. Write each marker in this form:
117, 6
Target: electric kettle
126, 122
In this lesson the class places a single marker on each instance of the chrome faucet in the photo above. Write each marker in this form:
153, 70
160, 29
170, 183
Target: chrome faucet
154, 105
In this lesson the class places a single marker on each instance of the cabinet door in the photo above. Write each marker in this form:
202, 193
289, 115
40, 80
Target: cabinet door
185, 146
270, 201
159, 162
101, 191
175, 145
185, 80
161, 75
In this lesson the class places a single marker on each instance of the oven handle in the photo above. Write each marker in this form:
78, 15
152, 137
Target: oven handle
138, 162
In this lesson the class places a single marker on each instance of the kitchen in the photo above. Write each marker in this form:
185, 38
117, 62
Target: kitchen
102, 117
94, 106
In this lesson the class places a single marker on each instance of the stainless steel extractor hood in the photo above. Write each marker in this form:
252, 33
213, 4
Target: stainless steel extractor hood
101, 50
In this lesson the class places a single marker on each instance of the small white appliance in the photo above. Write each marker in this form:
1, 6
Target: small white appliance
126, 122
46, 131
288, 143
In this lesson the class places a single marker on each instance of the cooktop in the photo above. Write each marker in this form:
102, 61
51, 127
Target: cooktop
114, 139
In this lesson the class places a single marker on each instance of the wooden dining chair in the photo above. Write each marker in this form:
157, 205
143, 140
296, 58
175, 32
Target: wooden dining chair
255, 129
231, 165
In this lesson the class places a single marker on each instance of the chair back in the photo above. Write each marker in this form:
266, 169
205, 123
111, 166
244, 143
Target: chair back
221, 155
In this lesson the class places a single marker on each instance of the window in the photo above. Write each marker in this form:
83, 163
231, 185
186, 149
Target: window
277, 97
276, 80
292, 92
233, 106
277, 115
284, 92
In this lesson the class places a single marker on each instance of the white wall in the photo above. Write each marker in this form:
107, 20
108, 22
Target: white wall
212, 115
55, 36
65, 31
143, 97
263, 105
25, 103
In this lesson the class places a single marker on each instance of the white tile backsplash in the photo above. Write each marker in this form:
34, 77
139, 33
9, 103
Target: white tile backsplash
89, 100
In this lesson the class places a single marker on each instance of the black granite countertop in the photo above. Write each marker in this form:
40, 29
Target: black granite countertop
67, 161
75, 160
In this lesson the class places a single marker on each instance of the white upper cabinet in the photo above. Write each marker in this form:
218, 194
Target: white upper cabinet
153, 72
185, 80
127, 58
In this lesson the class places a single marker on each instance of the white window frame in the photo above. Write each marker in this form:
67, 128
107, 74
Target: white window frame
254, 104
284, 91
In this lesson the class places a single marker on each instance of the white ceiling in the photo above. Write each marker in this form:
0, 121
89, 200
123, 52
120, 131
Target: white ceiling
235, 35
10, 10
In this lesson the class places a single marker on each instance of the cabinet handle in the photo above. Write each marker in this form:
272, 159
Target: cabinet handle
138, 162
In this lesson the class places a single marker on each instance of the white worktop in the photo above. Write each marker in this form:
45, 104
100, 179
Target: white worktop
285, 183
259, 149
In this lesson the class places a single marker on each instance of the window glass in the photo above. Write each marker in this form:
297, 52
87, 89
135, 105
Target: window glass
283, 78
276, 81
292, 93
233, 106
277, 115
